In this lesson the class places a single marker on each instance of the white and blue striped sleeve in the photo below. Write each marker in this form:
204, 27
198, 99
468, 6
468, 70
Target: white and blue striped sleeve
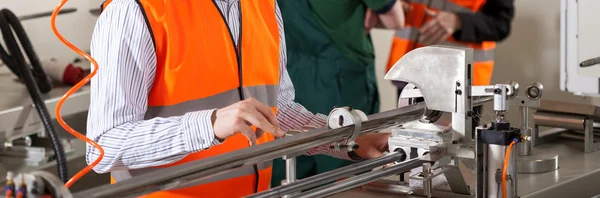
292, 115
123, 47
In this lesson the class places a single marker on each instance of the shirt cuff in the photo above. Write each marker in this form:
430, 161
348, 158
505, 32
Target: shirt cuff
198, 131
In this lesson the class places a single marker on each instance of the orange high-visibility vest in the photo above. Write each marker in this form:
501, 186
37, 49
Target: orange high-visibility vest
200, 67
406, 39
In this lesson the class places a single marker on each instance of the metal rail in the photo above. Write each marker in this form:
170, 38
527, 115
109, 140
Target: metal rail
360, 180
330, 176
194, 172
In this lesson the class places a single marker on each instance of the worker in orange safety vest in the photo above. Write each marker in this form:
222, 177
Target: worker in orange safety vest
180, 81
476, 24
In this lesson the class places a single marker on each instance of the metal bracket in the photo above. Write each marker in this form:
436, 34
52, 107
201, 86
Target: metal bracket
346, 116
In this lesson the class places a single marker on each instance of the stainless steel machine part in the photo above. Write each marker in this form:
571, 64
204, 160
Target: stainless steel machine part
333, 175
537, 165
193, 172
568, 121
362, 179
525, 147
589, 110
495, 162
445, 91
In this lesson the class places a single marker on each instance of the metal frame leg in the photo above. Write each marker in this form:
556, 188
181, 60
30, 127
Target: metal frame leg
290, 172
589, 145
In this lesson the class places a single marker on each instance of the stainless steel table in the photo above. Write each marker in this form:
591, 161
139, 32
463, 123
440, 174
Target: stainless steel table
578, 175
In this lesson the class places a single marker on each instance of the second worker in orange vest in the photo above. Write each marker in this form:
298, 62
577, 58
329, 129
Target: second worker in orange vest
187, 80
476, 24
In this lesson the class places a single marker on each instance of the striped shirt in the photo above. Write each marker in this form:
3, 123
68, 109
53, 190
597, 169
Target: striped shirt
122, 45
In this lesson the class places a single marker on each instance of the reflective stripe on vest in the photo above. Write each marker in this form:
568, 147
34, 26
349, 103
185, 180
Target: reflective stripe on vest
406, 39
242, 171
199, 67
266, 94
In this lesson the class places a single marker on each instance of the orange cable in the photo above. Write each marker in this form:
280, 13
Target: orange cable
70, 92
506, 158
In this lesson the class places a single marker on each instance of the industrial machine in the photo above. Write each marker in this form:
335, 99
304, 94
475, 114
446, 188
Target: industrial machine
434, 150
434, 136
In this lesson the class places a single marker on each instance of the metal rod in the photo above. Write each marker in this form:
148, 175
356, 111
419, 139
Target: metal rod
196, 171
330, 176
574, 122
427, 184
46, 14
362, 179
290, 169
525, 146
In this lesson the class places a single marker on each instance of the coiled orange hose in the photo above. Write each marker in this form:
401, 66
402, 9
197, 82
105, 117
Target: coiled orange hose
506, 158
70, 92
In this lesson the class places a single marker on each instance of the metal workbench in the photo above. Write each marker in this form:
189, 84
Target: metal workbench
577, 176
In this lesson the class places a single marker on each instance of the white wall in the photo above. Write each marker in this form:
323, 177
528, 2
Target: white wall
76, 27
531, 53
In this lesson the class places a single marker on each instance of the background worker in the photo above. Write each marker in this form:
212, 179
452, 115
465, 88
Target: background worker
186, 80
476, 24
331, 61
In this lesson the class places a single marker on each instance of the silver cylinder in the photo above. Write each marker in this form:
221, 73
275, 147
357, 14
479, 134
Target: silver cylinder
500, 98
574, 122
495, 162
290, 170
428, 183
525, 146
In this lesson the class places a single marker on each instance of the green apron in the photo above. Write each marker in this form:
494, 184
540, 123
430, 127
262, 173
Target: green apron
323, 77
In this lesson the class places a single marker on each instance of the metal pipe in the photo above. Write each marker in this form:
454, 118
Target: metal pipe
525, 146
193, 172
362, 179
333, 175
428, 183
290, 170
574, 122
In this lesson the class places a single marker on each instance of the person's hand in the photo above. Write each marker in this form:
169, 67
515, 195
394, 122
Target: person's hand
238, 117
371, 20
372, 145
441, 26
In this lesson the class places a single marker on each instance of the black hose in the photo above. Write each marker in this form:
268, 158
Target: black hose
34, 77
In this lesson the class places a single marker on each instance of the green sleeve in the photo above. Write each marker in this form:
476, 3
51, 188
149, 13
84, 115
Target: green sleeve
376, 4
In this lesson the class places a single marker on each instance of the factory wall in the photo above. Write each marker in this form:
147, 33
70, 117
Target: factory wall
76, 27
530, 53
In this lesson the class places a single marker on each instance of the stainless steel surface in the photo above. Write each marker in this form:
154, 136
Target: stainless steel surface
333, 175
194, 172
56, 185
576, 177
439, 87
570, 108
568, 121
362, 179
528, 165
